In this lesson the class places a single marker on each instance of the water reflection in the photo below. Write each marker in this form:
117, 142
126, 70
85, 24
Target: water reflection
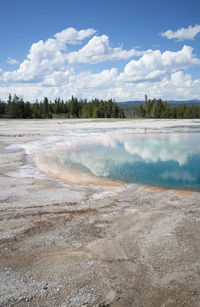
169, 160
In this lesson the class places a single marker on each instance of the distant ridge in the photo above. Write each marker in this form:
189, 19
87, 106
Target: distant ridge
183, 101
130, 102
195, 101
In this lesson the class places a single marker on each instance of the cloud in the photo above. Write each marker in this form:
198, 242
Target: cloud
105, 85
72, 36
51, 57
57, 78
183, 33
50, 70
154, 65
98, 49
180, 85
105, 79
11, 61
46, 57
84, 80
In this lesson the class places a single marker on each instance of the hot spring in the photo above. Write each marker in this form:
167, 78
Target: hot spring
157, 159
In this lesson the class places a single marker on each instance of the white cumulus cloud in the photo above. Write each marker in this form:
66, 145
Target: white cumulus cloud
50, 70
72, 36
154, 65
98, 49
183, 33
47, 57
105, 85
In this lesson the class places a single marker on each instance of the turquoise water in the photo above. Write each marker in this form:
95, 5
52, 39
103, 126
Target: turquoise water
154, 159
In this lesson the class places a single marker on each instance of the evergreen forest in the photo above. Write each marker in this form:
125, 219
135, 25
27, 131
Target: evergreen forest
156, 108
16, 107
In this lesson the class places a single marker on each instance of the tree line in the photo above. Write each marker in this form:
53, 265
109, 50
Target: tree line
15, 107
156, 108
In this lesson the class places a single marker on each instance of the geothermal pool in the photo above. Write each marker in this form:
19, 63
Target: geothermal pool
160, 160
157, 153
164, 160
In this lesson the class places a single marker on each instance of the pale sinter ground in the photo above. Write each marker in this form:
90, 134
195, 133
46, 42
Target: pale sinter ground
72, 245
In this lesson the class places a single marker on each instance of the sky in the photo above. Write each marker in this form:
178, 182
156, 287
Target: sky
119, 49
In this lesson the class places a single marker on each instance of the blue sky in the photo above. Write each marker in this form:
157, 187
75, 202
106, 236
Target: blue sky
100, 48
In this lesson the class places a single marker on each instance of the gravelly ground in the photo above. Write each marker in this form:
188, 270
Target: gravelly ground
67, 245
